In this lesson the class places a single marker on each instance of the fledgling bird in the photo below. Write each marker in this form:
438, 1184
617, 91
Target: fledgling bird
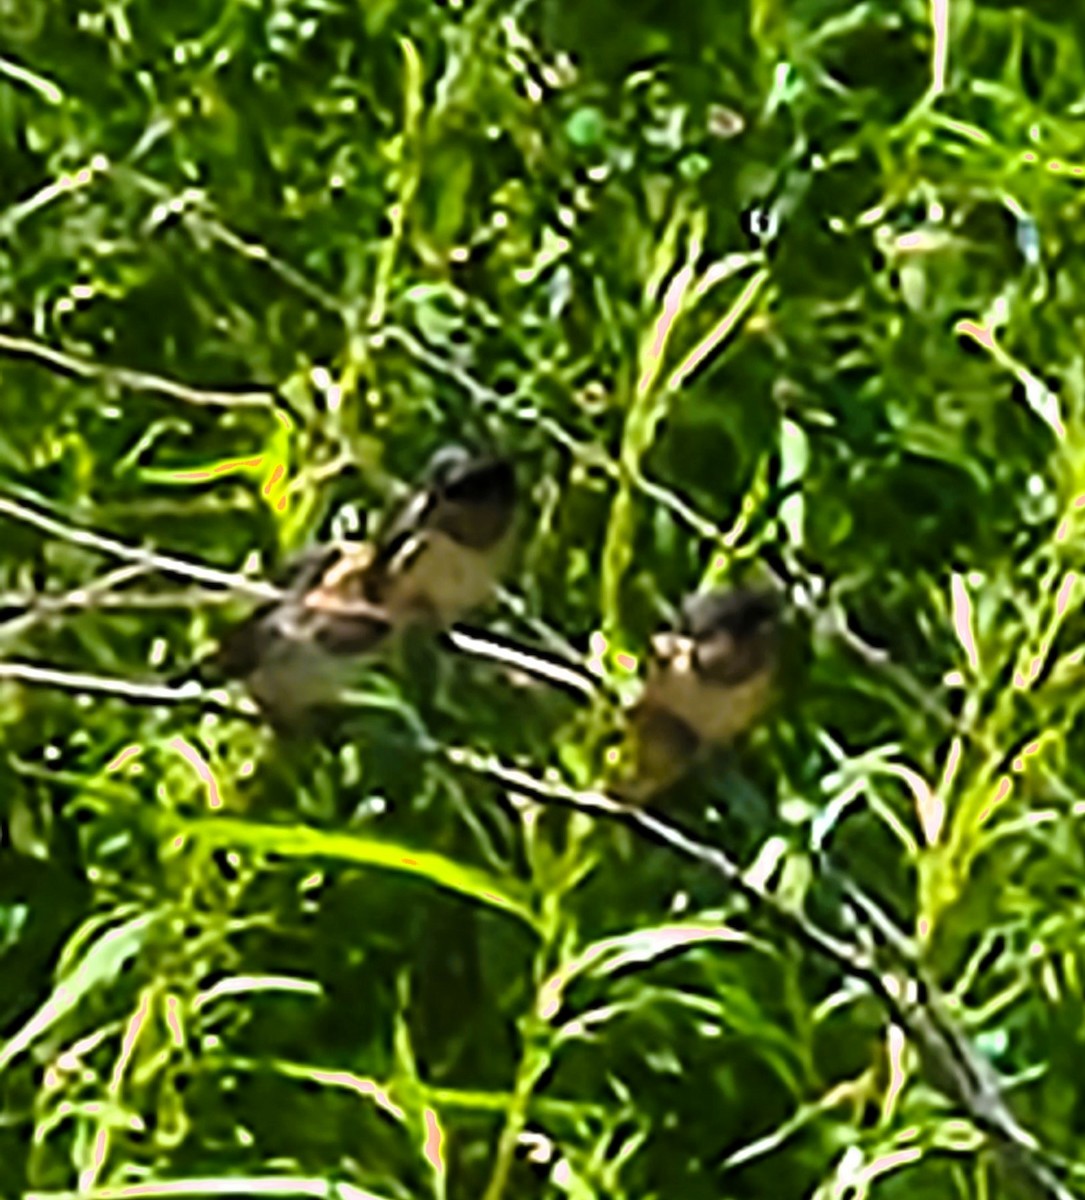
709, 680
442, 552
298, 653
435, 560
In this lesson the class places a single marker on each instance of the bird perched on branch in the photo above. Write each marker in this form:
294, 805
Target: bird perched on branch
709, 680
441, 553
435, 560
297, 653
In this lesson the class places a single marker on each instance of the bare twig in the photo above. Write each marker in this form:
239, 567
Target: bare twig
81, 598
135, 692
128, 379
951, 1063
98, 685
167, 563
89, 595
550, 637
539, 664
193, 209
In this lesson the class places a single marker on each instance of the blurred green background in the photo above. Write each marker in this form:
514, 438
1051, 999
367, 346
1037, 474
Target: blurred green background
784, 280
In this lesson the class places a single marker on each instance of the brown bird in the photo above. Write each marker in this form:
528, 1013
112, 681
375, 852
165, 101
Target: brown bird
298, 653
440, 555
708, 681
435, 560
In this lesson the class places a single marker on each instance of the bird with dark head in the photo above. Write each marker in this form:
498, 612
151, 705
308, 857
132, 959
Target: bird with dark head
435, 560
709, 680
442, 552
297, 653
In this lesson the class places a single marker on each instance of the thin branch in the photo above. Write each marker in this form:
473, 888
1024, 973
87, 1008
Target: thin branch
192, 208
89, 595
258, 252
167, 563
65, 183
514, 655
81, 598
951, 1063
125, 377
125, 689
98, 685
553, 639
659, 830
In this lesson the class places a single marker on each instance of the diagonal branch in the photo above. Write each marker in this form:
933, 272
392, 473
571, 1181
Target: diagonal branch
65, 363
103, 544
543, 665
950, 1061
37, 608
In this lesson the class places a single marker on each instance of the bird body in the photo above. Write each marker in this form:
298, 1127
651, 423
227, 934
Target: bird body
708, 681
716, 712
437, 581
298, 653
440, 555
434, 561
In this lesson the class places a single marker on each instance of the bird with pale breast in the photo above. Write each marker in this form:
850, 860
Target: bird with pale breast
435, 560
298, 653
441, 553
709, 680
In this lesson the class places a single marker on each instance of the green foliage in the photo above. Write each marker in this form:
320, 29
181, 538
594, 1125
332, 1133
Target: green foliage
784, 279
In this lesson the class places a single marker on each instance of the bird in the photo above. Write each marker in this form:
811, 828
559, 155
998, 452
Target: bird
709, 680
297, 653
435, 559
441, 553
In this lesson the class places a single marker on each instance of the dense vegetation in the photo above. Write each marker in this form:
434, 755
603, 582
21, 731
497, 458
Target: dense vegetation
770, 284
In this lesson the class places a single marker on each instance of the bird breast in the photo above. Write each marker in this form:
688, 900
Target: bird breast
445, 580
716, 713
